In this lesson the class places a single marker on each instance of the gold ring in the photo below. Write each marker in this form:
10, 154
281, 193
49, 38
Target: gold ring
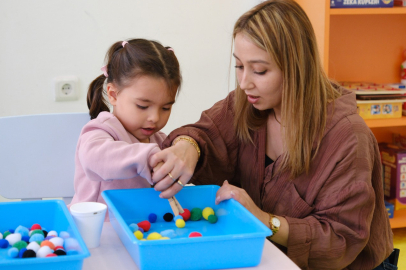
170, 175
180, 183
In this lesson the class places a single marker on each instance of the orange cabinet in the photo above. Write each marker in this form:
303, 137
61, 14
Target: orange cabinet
362, 44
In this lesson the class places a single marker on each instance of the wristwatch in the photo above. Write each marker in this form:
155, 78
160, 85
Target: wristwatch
274, 224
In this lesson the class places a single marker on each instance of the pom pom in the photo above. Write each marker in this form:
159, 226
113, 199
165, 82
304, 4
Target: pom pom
29, 254
141, 229
1, 236
71, 244
49, 237
25, 238
212, 219
45, 233
154, 236
13, 238
133, 227
168, 217
207, 212
145, 225
20, 244
180, 223
139, 235
22, 230
3, 243
37, 238
37, 232
48, 243
178, 217
58, 247
185, 214
152, 217
12, 252
21, 252
195, 234
36, 227
5, 234
64, 235
60, 252
52, 233
44, 251
57, 241
11, 231
168, 233
51, 255
196, 214
33, 246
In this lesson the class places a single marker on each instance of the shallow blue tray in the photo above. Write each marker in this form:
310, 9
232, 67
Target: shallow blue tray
236, 240
50, 214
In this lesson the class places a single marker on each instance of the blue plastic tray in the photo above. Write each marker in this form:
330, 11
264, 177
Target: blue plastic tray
236, 240
50, 214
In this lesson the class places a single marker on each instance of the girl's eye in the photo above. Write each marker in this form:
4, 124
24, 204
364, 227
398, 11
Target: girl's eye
166, 109
260, 73
142, 107
239, 67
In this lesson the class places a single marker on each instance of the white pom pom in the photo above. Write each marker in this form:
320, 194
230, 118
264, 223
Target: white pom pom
33, 246
57, 241
52, 233
71, 244
13, 238
44, 251
1, 235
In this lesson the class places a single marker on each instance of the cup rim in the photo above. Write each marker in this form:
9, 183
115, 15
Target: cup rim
97, 208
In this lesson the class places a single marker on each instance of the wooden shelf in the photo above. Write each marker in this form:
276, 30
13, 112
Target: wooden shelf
361, 11
388, 122
399, 219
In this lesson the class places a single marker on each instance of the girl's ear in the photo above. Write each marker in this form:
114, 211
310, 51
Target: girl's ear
112, 93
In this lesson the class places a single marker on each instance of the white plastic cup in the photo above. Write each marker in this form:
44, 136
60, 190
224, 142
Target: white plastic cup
89, 218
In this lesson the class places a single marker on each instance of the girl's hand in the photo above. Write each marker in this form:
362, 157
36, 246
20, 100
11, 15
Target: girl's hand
179, 162
228, 191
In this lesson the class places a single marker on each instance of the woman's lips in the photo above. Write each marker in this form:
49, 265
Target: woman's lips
252, 99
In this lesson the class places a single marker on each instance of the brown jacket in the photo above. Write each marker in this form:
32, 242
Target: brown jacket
336, 213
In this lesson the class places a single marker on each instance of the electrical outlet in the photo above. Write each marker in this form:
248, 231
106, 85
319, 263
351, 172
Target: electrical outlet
66, 88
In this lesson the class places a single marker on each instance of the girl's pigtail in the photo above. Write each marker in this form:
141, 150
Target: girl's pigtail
96, 101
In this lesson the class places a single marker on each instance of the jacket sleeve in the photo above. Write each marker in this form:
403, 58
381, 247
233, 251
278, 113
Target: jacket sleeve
101, 155
215, 135
338, 229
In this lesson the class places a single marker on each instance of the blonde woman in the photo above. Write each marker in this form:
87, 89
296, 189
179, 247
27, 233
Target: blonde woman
290, 143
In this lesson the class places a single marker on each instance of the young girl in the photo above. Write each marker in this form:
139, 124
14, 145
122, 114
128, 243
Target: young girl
142, 79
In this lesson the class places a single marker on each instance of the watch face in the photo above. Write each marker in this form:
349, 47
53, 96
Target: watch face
276, 222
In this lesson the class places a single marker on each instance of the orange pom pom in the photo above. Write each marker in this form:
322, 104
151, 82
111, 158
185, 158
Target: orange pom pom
48, 243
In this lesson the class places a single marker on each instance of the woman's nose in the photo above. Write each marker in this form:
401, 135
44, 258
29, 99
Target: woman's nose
245, 81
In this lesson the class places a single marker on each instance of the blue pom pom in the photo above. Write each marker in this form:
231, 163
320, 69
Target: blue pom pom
64, 235
168, 233
3, 243
37, 238
152, 218
20, 254
25, 238
178, 217
11, 231
141, 229
12, 252
133, 227
22, 230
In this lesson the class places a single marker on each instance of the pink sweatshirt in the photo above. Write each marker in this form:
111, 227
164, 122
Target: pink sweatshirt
109, 157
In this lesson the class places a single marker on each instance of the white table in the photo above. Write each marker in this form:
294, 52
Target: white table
111, 254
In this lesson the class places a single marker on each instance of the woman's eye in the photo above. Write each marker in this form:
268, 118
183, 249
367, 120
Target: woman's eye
260, 73
239, 67
166, 109
142, 107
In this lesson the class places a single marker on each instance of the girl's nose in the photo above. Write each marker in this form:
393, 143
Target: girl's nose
153, 117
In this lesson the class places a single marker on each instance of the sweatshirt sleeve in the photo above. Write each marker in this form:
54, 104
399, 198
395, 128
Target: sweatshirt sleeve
215, 135
102, 156
339, 227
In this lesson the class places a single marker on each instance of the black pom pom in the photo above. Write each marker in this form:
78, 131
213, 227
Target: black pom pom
60, 252
168, 217
45, 233
29, 254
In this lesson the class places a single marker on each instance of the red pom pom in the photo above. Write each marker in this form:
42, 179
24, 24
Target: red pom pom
145, 225
35, 227
186, 214
195, 234
51, 255
58, 247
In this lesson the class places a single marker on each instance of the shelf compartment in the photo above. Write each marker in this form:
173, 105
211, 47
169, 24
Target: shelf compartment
386, 122
399, 219
367, 11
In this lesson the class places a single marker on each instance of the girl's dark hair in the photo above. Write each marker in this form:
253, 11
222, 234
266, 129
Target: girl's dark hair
138, 57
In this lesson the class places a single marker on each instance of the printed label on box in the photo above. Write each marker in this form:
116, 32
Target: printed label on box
360, 3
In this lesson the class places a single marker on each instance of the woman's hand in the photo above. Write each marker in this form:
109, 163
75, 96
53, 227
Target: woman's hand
179, 162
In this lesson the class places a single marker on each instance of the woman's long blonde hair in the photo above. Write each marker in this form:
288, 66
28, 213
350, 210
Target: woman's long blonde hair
282, 28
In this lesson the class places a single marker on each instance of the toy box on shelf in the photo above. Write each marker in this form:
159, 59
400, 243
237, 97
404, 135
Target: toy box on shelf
361, 3
375, 101
394, 172
389, 208
399, 3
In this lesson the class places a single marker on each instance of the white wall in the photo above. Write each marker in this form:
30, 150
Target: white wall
43, 39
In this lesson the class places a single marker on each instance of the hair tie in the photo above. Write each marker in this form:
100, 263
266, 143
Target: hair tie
170, 49
104, 69
123, 44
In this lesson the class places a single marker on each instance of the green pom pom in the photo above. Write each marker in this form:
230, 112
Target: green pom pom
212, 219
196, 214
37, 231
5, 234
20, 244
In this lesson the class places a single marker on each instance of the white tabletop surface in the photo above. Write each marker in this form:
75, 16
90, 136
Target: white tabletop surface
111, 254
